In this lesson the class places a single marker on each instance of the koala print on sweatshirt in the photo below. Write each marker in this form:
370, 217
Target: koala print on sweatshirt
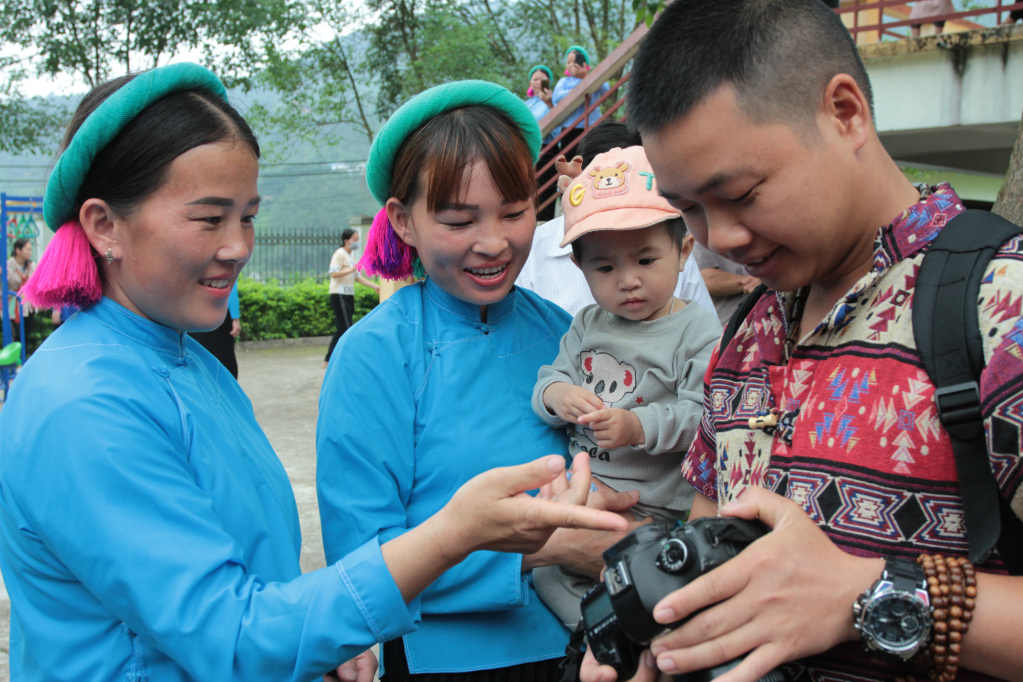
609, 379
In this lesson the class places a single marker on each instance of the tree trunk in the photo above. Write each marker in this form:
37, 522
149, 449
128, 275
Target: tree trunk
1009, 203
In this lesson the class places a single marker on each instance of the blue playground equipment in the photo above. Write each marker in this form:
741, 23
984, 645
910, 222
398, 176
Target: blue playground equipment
12, 353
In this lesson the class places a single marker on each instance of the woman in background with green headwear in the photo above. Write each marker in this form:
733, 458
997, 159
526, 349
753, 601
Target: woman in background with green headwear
538, 99
149, 532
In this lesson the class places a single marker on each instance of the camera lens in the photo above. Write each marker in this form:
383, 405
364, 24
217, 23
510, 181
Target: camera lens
674, 557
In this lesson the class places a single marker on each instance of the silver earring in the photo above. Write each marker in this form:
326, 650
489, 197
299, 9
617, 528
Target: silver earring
109, 256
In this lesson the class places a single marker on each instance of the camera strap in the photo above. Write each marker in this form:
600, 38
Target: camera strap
574, 652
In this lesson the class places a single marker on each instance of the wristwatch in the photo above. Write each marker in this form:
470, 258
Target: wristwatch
893, 617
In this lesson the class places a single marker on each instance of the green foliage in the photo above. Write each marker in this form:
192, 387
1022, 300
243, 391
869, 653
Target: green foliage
26, 125
272, 311
390, 50
94, 40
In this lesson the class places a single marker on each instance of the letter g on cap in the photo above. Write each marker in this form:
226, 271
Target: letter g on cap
575, 197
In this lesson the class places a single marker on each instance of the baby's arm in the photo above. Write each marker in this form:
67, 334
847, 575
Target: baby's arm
671, 426
557, 397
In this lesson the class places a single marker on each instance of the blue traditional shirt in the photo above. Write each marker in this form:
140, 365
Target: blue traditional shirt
539, 109
424, 397
565, 86
149, 532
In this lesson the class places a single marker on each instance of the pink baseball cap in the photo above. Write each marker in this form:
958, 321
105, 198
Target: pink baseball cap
617, 191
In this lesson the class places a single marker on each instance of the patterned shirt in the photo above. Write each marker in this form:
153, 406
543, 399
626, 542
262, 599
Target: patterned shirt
868, 460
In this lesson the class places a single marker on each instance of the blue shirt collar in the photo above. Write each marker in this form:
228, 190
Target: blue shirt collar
137, 328
469, 311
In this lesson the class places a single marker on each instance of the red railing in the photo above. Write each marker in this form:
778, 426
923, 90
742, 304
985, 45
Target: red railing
619, 57
1000, 9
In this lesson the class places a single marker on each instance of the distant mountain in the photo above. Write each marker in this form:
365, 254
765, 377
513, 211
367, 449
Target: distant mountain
303, 184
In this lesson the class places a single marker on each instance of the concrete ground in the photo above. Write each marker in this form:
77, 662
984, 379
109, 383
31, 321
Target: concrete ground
284, 386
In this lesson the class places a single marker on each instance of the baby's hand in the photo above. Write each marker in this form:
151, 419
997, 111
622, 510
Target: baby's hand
614, 428
570, 402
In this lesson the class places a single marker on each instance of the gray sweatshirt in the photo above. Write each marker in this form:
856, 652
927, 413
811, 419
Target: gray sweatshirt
655, 369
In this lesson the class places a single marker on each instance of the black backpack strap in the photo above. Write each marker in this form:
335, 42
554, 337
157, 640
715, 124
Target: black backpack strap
740, 314
947, 332
574, 652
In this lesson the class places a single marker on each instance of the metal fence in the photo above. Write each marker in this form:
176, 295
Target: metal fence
290, 255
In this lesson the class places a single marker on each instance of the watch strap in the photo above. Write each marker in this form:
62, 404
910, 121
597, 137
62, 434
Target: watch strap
905, 575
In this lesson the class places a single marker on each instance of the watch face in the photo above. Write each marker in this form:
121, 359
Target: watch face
897, 622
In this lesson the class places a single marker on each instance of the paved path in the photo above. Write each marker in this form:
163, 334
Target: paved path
284, 386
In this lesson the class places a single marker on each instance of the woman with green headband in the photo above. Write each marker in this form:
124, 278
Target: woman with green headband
148, 530
538, 99
446, 367
577, 67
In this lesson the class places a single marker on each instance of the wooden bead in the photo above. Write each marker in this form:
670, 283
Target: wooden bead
944, 589
969, 604
941, 614
955, 612
940, 650
966, 627
971, 592
934, 591
967, 617
971, 581
955, 637
941, 567
956, 588
940, 638
941, 627
956, 600
939, 660
931, 580
955, 625
955, 648
952, 660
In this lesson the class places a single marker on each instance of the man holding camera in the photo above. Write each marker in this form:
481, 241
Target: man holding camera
822, 419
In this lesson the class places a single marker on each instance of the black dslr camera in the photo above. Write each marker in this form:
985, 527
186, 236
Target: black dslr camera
644, 567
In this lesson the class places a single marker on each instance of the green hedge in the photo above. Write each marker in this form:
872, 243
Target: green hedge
272, 311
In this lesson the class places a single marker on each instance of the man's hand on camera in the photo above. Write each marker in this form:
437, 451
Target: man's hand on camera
591, 671
786, 596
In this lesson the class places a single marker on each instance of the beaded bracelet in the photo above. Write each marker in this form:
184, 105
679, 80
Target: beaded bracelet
952, 584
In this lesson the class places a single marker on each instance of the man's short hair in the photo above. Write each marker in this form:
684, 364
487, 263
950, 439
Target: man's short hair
604, 137
779, 55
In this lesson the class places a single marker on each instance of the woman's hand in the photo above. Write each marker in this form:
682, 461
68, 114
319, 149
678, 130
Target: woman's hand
236, 327
362, 668
545, 95
582, 550
569, 401
786, 596
493, 511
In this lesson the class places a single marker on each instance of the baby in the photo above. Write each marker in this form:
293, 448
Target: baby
628, 380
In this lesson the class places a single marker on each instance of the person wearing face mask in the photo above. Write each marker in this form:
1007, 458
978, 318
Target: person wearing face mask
343, 277
148, 530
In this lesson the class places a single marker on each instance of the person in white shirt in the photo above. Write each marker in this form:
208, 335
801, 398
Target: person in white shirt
550, 272
343, 276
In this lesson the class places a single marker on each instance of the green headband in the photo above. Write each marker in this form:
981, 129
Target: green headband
541, 67
109, 119
428, 104
580, 50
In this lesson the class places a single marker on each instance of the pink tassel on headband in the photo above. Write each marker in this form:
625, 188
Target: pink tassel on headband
67, 273
385, 254
529, 93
